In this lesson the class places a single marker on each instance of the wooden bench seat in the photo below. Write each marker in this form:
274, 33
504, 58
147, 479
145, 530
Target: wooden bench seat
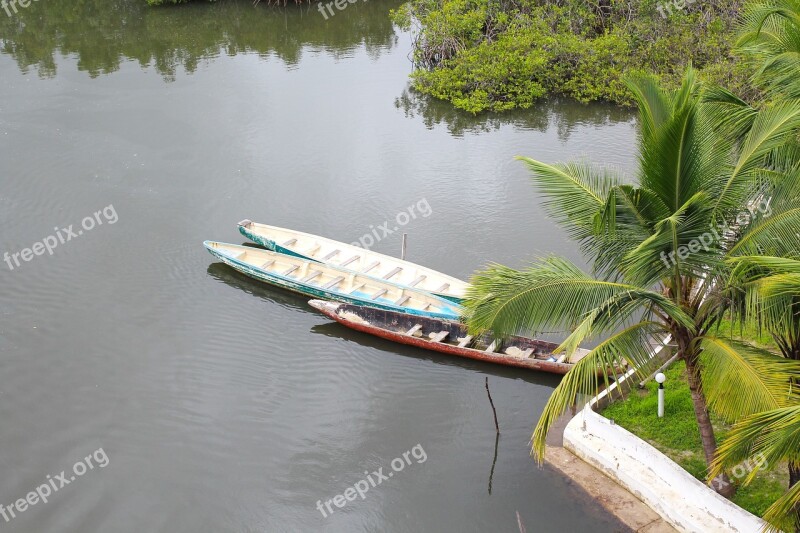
379, 294
354, 258
334, 281
290, 270
371, 266
439, 337
414, 330
393, 272
311, 276
417, 281
331, 254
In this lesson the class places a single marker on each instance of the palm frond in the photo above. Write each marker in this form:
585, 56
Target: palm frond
575, 195
762, 441
728, 112
740, 380
551, 294
583, 380
653, 103
772, 434
770, 35
770, 130
781, 514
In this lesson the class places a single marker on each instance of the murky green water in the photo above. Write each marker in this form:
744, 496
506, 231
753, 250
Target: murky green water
221, 404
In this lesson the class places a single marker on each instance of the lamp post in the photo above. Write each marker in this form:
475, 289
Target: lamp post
661, 378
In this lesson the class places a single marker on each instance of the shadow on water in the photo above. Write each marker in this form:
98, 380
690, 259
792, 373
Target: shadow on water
336, 330
297, 302
103, 34
290, 300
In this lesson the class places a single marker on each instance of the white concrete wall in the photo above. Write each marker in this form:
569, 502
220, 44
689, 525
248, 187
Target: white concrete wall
682, 500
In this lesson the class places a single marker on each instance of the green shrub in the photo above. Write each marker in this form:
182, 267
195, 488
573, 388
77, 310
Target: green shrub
503, 54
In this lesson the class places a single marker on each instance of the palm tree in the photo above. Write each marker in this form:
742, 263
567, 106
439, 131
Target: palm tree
776, 435
770, 35
658, 248
766, 290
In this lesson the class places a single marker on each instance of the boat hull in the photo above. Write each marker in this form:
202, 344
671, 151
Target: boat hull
332, 310
447, 311
258, 233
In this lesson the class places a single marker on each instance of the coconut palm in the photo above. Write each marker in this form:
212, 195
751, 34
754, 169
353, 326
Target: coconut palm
770, 35
766, 290
658, 248
774, 436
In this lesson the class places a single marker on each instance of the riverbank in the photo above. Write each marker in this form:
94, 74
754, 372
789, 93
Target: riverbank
483, 55
677, 436
628, 509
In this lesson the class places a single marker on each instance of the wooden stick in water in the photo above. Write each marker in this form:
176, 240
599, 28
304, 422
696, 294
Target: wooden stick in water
496, 425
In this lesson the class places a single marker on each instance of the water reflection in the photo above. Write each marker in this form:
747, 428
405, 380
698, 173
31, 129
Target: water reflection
103, 34
564, 116
258, 396
286, 299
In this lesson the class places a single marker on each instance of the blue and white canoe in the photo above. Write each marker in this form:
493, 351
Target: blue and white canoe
340, 254
329, 282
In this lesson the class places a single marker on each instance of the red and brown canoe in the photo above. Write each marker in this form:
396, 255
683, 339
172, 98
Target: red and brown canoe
448, 337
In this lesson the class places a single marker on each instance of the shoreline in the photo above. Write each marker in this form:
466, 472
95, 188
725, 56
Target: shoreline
615, 499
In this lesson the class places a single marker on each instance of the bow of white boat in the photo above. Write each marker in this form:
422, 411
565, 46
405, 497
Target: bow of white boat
324, 305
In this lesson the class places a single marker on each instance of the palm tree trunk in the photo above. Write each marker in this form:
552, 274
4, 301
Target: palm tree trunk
794, 467
794, 478
722, 485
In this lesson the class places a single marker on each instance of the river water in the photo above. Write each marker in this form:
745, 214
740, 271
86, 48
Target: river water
204, 400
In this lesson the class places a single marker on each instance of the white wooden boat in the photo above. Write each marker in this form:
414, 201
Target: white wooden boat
319, 280
340, 254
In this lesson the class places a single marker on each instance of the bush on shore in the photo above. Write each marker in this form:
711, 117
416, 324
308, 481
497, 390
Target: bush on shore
504, 54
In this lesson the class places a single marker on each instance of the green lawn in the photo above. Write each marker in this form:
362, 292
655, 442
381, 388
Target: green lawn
677, 436
748, 334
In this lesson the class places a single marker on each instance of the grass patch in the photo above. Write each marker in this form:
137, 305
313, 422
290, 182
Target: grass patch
678, 437
749, 334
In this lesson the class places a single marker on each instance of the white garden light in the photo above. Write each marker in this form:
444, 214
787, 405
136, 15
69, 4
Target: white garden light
661, 378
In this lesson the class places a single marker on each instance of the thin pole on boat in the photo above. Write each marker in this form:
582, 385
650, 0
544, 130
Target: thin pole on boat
403, 249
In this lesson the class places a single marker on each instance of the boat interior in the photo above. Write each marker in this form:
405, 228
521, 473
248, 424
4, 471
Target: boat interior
326, 251
322, 277
452, 333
